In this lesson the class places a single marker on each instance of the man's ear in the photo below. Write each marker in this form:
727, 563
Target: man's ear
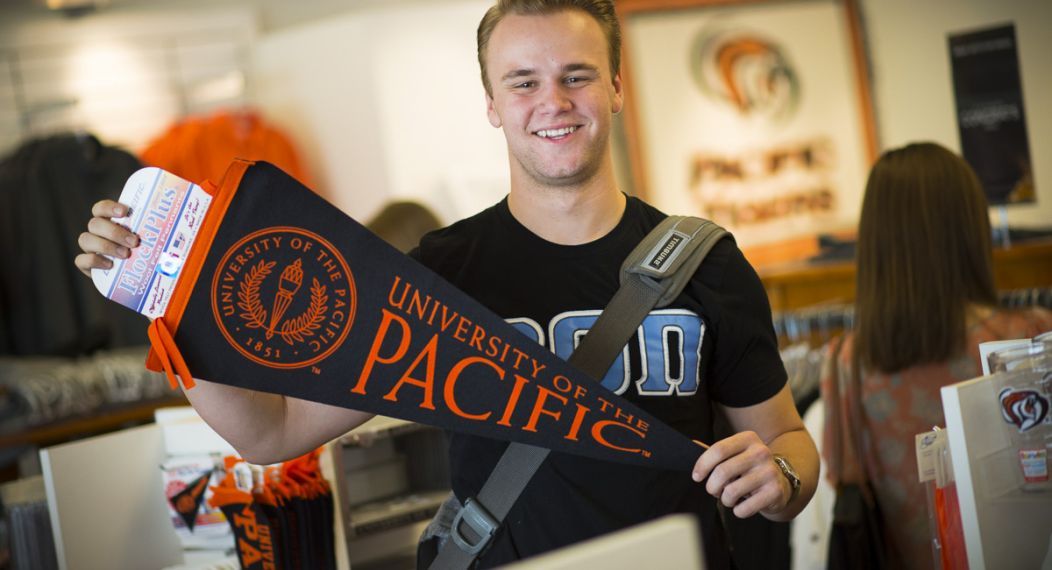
617, 100
491, 113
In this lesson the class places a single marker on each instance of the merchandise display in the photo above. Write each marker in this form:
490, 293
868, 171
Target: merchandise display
935, 471
281, 516
1024, 394
998, 432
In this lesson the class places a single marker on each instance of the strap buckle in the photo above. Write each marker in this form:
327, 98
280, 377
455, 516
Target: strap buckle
478, 518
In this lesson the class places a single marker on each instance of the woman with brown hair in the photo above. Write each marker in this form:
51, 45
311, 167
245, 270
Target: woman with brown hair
925, 299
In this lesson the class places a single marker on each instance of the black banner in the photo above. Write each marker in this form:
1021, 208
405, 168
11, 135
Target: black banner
990, 116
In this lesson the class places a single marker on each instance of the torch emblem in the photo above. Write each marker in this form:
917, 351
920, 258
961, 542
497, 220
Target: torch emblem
291, 330
291, 279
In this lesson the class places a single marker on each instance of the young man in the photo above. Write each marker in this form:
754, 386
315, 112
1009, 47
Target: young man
548, 255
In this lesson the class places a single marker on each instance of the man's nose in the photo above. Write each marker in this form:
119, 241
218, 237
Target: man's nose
555, 99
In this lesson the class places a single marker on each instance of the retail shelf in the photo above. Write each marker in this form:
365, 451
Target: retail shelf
379, 427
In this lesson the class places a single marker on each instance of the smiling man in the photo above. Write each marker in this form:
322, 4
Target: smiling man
547, 259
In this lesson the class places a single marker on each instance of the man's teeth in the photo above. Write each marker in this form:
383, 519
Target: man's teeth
549, 133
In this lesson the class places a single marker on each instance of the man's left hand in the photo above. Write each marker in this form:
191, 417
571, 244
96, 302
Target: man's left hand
743, 476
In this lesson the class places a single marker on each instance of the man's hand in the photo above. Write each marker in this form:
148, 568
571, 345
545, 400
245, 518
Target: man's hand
104, 238
743, 476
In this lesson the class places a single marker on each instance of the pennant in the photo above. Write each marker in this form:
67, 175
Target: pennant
252, 535
188, 501
283, 293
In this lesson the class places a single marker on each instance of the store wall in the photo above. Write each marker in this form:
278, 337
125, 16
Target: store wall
123, 74
912, 82
389, 104
385, 102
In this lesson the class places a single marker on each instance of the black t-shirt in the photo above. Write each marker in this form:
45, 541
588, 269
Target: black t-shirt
715, 343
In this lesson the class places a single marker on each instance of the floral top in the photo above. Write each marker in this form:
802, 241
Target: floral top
896, 408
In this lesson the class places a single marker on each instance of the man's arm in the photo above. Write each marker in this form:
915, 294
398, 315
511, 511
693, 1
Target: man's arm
268, 428
263, 428
741, 470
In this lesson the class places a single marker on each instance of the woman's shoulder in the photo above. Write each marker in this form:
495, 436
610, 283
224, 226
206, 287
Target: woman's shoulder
1013, 323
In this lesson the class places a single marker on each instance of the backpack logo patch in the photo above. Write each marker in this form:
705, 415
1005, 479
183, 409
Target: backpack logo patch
666, 252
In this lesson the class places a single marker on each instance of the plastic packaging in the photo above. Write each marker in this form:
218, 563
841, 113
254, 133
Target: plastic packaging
1024, 396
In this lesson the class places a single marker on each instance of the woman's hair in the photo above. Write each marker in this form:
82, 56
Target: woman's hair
601, 10
924, 255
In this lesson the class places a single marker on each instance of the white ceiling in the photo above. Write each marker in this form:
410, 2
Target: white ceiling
273, 14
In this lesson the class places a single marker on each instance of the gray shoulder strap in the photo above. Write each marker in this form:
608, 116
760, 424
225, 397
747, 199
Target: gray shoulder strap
651, 276
670, 254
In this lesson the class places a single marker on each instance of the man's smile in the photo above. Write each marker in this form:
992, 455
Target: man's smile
558, 133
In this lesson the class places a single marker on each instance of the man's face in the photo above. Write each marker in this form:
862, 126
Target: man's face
552, 94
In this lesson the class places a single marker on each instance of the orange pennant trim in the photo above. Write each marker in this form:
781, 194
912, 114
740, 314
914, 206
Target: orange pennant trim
171, 359
222, 196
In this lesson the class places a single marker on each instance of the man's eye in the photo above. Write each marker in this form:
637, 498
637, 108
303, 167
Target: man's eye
525, 84
575, 79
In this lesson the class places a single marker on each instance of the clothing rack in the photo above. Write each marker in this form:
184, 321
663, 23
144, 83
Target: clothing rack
816, 325
819, 324
1030, 297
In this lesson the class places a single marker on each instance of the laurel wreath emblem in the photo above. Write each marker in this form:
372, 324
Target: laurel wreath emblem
295, 329
248, 296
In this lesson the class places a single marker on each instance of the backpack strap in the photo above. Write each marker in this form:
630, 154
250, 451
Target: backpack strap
671, 253
653, 275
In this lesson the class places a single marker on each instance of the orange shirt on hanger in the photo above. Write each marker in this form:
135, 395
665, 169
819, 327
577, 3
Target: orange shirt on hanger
200, 148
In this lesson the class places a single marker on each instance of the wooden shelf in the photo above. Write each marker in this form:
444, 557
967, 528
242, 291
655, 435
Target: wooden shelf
107, 418
800, 284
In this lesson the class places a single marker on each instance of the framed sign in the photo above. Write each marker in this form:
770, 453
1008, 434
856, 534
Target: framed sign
754, 114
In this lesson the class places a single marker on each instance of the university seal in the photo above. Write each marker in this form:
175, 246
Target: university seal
284, 297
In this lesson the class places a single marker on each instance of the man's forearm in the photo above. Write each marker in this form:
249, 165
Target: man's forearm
268, 428
249, 421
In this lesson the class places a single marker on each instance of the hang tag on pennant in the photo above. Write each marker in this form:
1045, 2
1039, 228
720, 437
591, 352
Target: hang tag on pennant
166, 213
283, 293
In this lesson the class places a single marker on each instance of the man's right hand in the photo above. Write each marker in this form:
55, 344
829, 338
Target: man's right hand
104, 238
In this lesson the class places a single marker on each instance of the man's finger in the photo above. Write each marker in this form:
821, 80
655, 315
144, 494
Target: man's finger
85, 262
728, 472
741, 488
719, 452
762, 499
109, 209
114, 232
93, 243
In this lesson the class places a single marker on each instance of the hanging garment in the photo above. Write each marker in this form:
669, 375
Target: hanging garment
47, 188
200, 148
